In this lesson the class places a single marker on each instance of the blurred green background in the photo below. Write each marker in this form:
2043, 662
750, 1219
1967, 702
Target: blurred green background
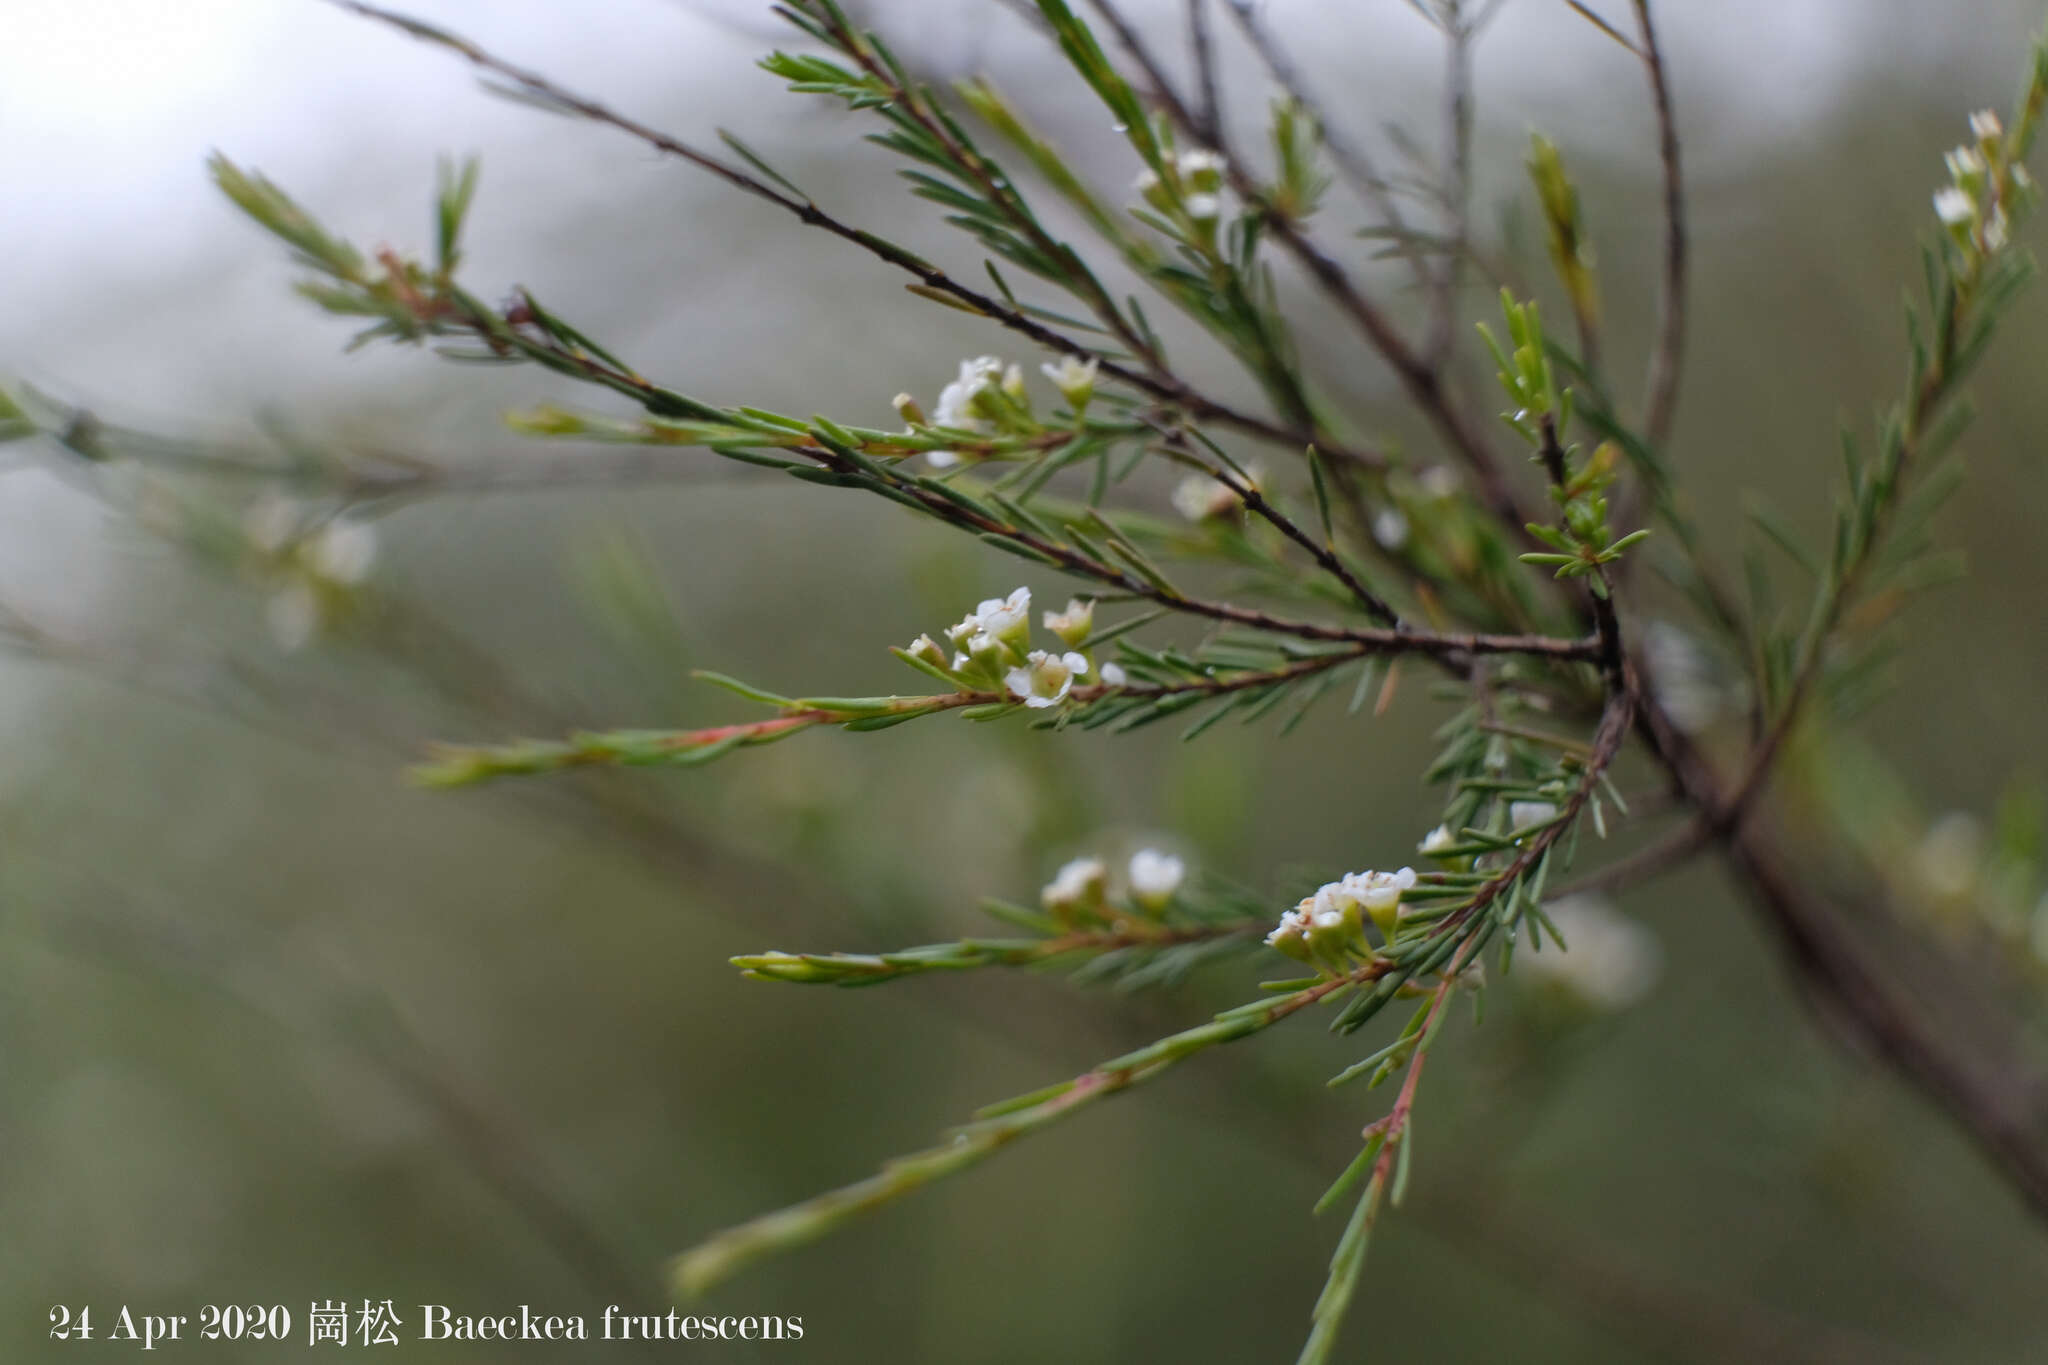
275, 1027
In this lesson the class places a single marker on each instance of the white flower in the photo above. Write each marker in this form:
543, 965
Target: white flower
1204, 208
293, 614
1113, 675
1390, 528
1291, 935
1329, 911
1378, 892
1198, 497
1954, 206
1155, 876
925, 648
1966, 164
1073, 624
1201, 168
344, 550
956, 400
1437, 840
1146, 184
1986, 125
1529, 814
956, 404
1608, 960
1006, 618
1045, 679
1074, 378
1077, 883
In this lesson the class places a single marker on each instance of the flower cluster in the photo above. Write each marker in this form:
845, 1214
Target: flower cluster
1972, 206
1081, 889
1328, 928
988, 398
1195, 193
992, 651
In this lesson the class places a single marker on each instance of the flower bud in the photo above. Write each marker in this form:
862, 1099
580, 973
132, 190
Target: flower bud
1079, 885
1201, 172
1074, 624
1291, 937
1075, 379
1155, 876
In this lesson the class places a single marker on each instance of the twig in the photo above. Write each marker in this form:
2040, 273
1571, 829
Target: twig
1992, 1095
1667, 361
1351, 160
1425, 386
1609, 29
1162, 386
1210, 111
1458, 120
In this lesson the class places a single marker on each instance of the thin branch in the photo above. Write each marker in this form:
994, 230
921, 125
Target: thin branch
1351, 160
1987, 1089
1458, 122
1210, 111
458, 765
1609, 29
1667, 361
1163, 386
717, 1258
1665, 855
458, 311
1425, 386
1255, 502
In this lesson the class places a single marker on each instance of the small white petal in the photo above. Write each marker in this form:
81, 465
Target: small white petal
1954, 206
344, 550
1077, 881
1155, 876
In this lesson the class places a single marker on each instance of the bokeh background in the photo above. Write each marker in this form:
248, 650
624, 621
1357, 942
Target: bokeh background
275, 1027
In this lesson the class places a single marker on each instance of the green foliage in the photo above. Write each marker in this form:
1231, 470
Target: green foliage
1312, 580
